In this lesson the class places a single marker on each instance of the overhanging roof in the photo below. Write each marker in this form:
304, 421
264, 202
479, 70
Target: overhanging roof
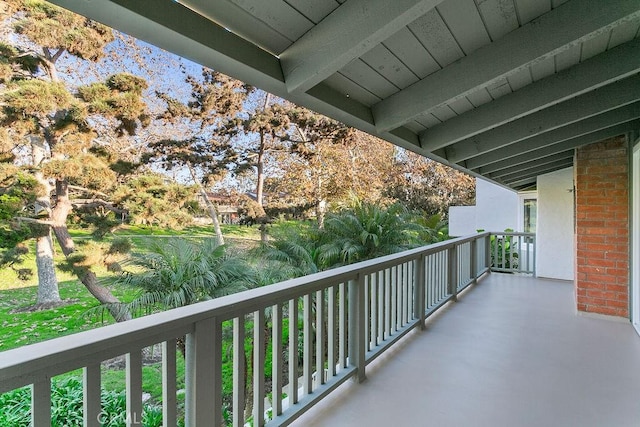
504, 89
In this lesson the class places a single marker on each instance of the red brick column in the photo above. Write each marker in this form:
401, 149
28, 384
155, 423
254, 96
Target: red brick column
602, 227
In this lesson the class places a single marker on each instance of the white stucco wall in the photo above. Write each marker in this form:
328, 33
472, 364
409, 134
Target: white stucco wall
496, 209
555, 247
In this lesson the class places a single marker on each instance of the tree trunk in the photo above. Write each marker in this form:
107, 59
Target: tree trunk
321, 210
260, 164
47, 281
211, 207
260, 168
88, 278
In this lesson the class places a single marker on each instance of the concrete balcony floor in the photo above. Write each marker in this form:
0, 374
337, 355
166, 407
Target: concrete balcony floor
512, 352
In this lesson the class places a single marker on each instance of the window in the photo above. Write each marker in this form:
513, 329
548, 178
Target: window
530, 215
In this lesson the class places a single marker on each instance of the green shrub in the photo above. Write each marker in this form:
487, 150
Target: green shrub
66, 407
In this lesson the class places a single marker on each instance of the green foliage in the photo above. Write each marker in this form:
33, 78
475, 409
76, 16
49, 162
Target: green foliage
293, 252
120, 245
56, 28
435, 229
150, 200
15, 63
67, 404
17, 190
367, 231
125, 82
178, 272
363, 231
504, 251
85, 170
36, 97
120, 96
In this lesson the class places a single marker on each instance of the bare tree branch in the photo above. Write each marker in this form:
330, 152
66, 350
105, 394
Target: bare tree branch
86, 204
34, 221
87, 190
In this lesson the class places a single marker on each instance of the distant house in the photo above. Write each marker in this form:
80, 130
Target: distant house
227, 206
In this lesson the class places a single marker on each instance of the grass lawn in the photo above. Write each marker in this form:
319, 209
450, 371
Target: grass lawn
22, 326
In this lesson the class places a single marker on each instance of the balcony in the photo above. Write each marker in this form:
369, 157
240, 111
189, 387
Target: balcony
511, 351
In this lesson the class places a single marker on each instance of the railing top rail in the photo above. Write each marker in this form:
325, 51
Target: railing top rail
512, 233
63, 353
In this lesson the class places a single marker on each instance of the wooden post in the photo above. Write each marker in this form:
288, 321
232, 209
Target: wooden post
419, 289
134, 388
452, 277
357, 338
91, 396
203, 366
474, 261
169, 408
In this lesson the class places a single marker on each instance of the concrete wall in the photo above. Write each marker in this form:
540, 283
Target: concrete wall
496, 209
555, 225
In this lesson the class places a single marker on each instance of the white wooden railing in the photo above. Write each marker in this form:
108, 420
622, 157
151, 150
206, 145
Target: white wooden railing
344, 319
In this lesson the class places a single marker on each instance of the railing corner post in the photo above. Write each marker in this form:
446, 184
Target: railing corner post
487, 252
357, 339
203, 366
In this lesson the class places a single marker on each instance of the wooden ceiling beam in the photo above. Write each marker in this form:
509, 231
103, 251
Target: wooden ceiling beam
563, 27
615, 64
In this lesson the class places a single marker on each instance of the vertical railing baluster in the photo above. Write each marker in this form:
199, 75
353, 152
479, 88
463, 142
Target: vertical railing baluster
408, 308
258, 367
427, 282
394, 298
203, 372
521, 250
418, 288
239, 371
453, 280
473, 268
381, 296
357, 337
524, 266
91, 395
444, 273
293, 351
430, 281
367, 308
276, 359
320, 333
169, 386
41, 402
487, 252
411, 293
533, 245
331, 331
373, 314
387, 303
134, 388
342, 333
307, 352
401, 295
